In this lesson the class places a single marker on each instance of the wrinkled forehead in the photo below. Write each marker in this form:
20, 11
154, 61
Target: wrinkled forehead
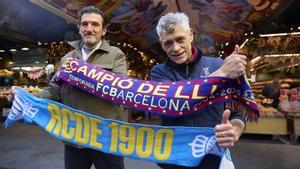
91, 17
173, 33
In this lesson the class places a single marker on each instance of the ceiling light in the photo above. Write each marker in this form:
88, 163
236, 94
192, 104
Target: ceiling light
25, 49
244, 43
256, 59
295, 33
13, 50
2, 51
273, 34
15, 68
26, 68
286, 55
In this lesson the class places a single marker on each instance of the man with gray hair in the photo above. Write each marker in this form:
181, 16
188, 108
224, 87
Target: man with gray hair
186, 62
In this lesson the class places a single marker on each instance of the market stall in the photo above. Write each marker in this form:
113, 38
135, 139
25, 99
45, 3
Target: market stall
275, 57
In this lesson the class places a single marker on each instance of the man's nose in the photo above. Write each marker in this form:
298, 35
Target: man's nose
176, 47
89, 28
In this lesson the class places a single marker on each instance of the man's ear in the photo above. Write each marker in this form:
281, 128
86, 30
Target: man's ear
103, 31
161, 44
78, 26
192, 34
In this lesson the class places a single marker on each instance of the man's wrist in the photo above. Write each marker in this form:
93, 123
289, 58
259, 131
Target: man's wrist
238, 127
220, 73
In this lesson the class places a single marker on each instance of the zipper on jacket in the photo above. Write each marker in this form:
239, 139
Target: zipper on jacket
187, 71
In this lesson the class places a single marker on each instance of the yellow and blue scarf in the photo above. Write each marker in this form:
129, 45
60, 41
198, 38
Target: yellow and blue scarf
184, 146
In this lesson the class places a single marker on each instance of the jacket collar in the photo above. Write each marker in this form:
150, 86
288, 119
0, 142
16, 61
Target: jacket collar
197, 53
78, 45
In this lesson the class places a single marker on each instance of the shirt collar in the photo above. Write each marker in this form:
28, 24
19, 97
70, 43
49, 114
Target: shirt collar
194, 54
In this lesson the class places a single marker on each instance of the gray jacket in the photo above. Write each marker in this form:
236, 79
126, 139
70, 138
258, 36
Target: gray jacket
107, 57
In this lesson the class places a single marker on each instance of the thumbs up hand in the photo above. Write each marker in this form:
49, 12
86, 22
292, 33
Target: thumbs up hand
225, 132
234, 65
236, 49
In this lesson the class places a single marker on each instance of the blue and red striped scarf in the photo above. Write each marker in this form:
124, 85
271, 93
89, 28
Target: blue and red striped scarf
170, 99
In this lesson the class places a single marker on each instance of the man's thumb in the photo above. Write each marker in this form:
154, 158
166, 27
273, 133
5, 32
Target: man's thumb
226, 115
236, 49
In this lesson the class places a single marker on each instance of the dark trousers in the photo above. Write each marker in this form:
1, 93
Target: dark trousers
76, 158
208, 162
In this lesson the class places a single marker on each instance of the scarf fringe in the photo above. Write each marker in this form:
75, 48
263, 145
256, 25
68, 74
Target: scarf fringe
249, 114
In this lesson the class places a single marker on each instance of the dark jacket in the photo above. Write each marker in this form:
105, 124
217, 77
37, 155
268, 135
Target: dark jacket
200, 66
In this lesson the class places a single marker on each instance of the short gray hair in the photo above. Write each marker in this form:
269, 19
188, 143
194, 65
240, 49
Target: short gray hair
168, 22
